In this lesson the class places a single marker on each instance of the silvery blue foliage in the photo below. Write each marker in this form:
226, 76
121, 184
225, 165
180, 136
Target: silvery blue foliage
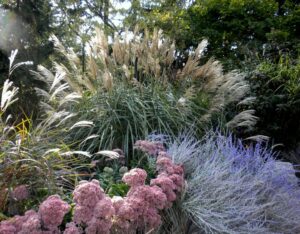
232, 188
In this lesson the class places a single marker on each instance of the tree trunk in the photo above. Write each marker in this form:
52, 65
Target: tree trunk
105, 12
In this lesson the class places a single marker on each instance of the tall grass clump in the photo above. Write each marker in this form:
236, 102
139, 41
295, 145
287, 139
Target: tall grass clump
34, 155
127, 113
132, 87
232, 188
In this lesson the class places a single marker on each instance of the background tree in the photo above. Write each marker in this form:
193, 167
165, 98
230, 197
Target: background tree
238, 30
26, 26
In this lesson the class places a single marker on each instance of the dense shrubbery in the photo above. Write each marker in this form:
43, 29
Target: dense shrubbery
277, 87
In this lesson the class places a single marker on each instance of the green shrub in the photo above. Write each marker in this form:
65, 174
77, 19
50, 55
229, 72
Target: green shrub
277, 88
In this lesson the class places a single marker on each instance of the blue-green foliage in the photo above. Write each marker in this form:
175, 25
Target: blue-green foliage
232, 188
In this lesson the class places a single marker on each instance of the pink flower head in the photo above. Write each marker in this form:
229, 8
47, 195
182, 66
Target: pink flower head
20, 193
97, 214
152, 219
71, 228
164, 164
137, 204
104, 209
167, 185
7, 227
178, 180
117, 202
138, 191
178, 169
152, 148
82, 214
52, 211
101, 226
126, 212
124, 215
157, 197
18, 221
163, 154
92, 227
88, 193
31, 223
135, 177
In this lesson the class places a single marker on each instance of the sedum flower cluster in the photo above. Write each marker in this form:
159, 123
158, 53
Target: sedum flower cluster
139, 210
170, 177
20, 193
47, 220
93, 211
150, 147
96, 213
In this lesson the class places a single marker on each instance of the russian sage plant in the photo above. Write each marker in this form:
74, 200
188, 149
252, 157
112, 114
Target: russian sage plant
232, 188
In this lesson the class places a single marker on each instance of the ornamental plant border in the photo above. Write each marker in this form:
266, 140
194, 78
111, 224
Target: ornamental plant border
95, 212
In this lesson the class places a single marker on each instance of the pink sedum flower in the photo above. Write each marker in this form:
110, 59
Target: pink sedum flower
71, 228
149, 147
104, 208
178, 169
178, 180
52, 211
93, 210
157, 197
167, 185
98, 226
124, 214
139, 203
31, 223
88, 193
19, 220
20, 193
82, 214
135, 177
6, 227
117, 202
152, 219
164, 164
163, 154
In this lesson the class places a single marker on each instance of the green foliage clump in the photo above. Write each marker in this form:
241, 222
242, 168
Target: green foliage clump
111, 180
277, 88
